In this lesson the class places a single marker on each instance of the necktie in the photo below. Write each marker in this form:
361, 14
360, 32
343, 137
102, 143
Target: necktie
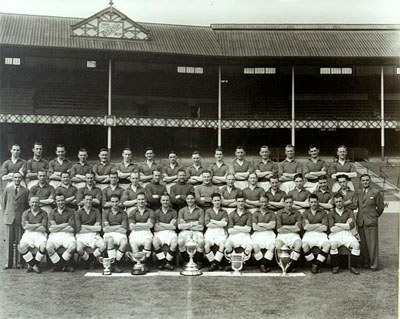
16, 191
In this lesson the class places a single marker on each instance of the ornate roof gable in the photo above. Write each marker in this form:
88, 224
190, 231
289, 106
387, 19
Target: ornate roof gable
110, 23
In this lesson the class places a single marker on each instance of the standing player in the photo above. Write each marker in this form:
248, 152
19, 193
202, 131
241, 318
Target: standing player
264, 223
165, 219
112, 189
253, 193
126, 168
147, 168
300, 194
34, 222
191, 218
61, 228
35, 164
275, 195
80, 169
323, 193
341, 222
315, 225
204, 191
344, 189
88, 227
68, 190
170, 171
14, 202
195, 171
44, 192
103, 169
241, 168
129, 196
288, 226
288, 168
229, 193
91, 189
219, 169
313, 169
115, 226
13, 165
58, 165
265, 169
216, 220
342, 166
154, 190
180, 190
370, 207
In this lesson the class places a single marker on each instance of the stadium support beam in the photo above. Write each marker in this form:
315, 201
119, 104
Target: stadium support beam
109, 107
293, 111
219, 108
382, 115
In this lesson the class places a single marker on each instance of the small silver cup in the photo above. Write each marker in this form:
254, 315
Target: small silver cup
107, 262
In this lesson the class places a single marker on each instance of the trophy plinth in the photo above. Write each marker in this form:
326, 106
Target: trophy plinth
283, 259
137, 257
107, 265
237, 261
191, 267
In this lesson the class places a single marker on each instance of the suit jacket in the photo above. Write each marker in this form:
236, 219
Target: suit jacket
370, 207
14, 205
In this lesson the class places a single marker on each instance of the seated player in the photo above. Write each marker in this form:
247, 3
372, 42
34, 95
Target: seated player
13, 165
341, 222
219, 169
287, 169
35, 164
204, 191
115, 226
315, 225
91, 189
154, 190
165, 219
148, 166
275, 195
288, 226
80, 169
323, 193
129, 197
112, 189
34, 222
195, 170
342, 166
229, 193
239, 228
57, 166
141, 221
300, 194
102, 169
252, 193
216, 221
313, 169
263, 237
265, 169
44, 192
68, 190
241, 168
180, 190
191, 218
61, 228
88, 227
125, 168
170, 171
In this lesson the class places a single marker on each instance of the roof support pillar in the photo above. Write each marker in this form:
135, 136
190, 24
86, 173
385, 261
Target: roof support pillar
219, 108
293, 112
382, 115
109, 107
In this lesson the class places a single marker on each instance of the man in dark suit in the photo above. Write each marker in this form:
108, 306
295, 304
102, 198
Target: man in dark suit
370, 206
14, 203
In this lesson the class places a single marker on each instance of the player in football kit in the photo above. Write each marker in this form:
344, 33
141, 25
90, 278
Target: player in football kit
241, 168
35, 164
129, 196
287, 169
165, 219
34, 222
252, 193
288, 226
263, 237
195, 170
80, 169
229, 193
204, 191
323, 193
300, 194
315, 225
154, 190
275, 195
68, 190
265, 169
216, 221
191, 218
147, 168
344, 189
313, 169
89, 188
102, 169
61, 228
13, 165
219, 169
112, 189
170, 171
88, 228
342, 166
180, 190
125, 168
341, 222
115, 226
44, 191
58, 165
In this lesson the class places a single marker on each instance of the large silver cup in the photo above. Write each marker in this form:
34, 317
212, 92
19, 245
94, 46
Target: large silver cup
237, 261
137, 257
107, 265
282, 257
191, 266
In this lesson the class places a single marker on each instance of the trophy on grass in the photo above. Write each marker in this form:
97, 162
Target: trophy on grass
107, 265
237, 261
283, 259
191, 266
137, 257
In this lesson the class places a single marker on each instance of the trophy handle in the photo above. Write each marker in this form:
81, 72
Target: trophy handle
129, 255
101, 259
112, 260
228, 257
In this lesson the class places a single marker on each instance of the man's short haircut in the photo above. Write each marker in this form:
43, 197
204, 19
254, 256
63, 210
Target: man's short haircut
206, 172
37, 143
88, 194
113, 172
219, 149
322, 177
215, 195
195, 153
115, 196
41, 171
264, 146
165, 194
60, 145
338, 195
82, 150
311, 146
240, 147
191, 194
140, 194
343, 176
149, 148
58, 194
172, 152
155, 170
341, 146
365, 175
313, 196
298, 175
287, 197
240, 195
182, 170
68, 173
103, 150
289, 146
126, 149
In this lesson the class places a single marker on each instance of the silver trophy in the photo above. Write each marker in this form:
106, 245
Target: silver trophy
191, 266
283, 259
138, 257
237, 261
106, 264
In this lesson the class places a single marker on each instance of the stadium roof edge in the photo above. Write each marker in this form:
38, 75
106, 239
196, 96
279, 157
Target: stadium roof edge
311, 26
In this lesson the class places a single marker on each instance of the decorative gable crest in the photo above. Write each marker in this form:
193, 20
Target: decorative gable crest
110, 23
